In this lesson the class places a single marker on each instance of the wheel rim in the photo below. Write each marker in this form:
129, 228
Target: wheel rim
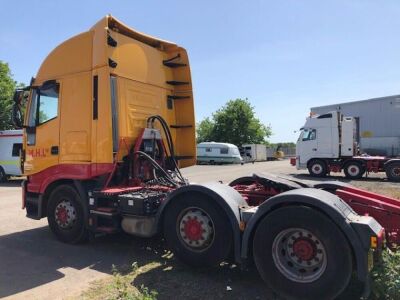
195, 229
299, 255
317, 168
396, 172
353, 170
65, 214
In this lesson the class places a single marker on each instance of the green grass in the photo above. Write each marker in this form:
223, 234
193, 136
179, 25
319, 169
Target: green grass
386, 277
120, 286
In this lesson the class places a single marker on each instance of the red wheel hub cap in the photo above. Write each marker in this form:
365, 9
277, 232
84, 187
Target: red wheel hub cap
193, 229
62, 215
304, 249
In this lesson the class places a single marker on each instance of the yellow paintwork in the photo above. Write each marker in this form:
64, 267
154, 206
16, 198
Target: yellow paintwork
141, 91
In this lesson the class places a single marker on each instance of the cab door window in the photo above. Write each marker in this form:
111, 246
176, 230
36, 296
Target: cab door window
44, 104
309, 134
43, 108
48, 103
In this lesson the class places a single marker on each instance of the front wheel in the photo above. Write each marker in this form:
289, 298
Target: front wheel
317, 168
393, 171
65, 215
197, 231
301, 254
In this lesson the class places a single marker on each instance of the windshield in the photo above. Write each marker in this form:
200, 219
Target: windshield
301, 134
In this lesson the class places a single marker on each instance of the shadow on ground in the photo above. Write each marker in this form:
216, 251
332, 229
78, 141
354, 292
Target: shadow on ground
11, 183
34, 257
174, 280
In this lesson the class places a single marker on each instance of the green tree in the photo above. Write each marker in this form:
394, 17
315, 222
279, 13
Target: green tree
234, 123
7, 87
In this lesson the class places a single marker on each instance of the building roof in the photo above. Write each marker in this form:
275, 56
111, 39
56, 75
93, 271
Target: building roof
386, 98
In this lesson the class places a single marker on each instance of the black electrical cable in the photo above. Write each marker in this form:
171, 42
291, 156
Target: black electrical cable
157, 166
170, 143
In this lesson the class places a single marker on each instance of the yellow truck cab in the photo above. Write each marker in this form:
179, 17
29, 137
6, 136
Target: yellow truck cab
109, 122
97, 89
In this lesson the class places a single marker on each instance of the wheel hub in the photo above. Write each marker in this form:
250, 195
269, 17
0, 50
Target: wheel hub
353, 170
196, 229
304, 249
299, 255
317, 168
65, 214
396, 171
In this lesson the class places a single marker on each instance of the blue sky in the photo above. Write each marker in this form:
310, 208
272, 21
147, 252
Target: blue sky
284, 56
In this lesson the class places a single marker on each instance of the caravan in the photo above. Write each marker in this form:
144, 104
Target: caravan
218, 153
10, 147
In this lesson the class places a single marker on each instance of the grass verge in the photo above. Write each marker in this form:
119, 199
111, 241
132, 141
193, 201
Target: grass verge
386, 277
120, 286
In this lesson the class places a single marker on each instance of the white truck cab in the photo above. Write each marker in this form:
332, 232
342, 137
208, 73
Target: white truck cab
328, 143
327, 136
10, 147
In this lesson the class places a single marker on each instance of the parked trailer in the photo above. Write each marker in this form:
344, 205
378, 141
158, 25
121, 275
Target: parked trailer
327, 143
254, 152
10, 147
218, 153
112, 166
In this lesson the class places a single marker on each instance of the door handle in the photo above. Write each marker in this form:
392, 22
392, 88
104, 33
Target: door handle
54, 150
314, 149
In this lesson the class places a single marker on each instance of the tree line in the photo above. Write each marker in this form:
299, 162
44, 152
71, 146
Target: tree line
234, 123
7, 88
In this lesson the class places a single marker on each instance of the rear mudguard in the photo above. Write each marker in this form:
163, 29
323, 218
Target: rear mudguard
357, 229
227, 198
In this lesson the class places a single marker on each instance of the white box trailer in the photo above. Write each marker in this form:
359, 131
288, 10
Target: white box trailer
254, 152
10, 147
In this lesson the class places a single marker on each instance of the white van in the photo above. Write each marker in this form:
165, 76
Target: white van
10, 147
218, 153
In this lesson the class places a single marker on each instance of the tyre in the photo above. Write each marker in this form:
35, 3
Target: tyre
393, 171
198, 231
317, 168
66, 216
3, 176
301, 254
354, 170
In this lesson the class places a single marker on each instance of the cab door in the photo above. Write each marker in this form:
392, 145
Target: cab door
307, 146
42, 128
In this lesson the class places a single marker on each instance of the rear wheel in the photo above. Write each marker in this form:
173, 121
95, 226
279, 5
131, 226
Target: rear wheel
317, 168
393, 171
197, 231
3, 176
301, 254
354, 170
65, 215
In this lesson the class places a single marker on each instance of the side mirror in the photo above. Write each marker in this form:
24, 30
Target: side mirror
16, 113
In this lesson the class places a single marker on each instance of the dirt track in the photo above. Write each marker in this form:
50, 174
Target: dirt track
34, 265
